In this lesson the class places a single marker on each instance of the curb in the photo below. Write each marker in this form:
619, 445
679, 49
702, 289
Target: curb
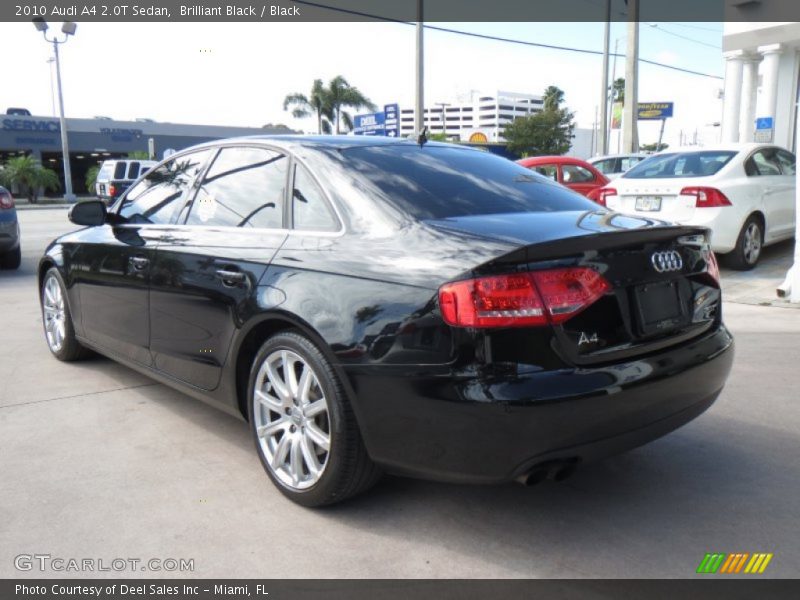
41, 206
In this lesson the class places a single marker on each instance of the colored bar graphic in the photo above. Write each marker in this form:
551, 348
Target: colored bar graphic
718, 562
711, 563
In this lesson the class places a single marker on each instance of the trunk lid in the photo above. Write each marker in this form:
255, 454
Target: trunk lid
661, 292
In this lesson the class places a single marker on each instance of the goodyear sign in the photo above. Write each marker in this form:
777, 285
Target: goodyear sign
655, 111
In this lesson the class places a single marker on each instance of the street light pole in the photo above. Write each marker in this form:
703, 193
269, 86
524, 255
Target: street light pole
602, 142
419, 115
444, 105
68, 29
629, 115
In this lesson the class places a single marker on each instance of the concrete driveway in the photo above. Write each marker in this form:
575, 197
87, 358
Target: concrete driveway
99, 462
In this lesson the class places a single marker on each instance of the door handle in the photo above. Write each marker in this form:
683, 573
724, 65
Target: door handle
230, 278
139, 262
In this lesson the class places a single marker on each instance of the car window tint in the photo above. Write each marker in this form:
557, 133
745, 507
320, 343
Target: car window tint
764, 162
605, 166
787, 162
310, 211
133, 170
681, 164
440, 181
156, 197
243, 188
628, 162
576, 174
119, 170
549, 171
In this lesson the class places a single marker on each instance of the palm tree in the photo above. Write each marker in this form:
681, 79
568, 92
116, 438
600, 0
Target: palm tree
27, 173
553, 97
618, 90
340, 95
316, 103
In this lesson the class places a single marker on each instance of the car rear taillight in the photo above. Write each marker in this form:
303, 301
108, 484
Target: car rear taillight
521, 299
112, 190
603, 194
6, 200
706, 196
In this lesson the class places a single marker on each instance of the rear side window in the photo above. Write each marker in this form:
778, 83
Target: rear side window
762, 163
549, 171
605, 166
310, 211
133, 170
680, 164
156, 197
436, 182
628, 162
245, 187
787, 162
119, 170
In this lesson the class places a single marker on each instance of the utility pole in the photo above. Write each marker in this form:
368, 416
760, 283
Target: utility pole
629, 122
419, 113
444, 105
602, 141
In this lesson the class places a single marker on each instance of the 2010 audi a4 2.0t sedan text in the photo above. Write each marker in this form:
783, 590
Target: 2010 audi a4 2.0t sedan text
373, 305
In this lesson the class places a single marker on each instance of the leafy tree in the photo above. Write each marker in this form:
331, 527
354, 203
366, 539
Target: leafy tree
316, 103
279, 126
139, 155
654, 147
548, 132
342, 95
28, 174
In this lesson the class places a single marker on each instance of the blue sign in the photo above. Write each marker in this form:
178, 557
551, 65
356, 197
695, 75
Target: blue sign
392, 120
764, 123
30, 125
369, 124
655, 111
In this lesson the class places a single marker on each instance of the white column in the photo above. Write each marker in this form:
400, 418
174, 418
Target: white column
769, 86
733, 97
747, 119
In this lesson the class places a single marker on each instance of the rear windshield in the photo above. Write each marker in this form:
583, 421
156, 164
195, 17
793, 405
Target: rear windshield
680, 164
437, 182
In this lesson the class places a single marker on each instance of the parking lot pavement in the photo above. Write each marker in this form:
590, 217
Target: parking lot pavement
759, 286
99, 462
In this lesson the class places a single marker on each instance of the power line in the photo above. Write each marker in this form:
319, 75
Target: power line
502, 39
658, 27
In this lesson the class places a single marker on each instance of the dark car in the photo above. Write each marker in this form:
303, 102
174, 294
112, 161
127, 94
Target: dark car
10, 251
375, 305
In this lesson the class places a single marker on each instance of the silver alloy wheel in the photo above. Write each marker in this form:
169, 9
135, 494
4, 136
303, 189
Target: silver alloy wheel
752, 243
291, 419
54, 313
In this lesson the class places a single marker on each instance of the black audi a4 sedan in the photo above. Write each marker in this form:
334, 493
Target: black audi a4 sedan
371, 305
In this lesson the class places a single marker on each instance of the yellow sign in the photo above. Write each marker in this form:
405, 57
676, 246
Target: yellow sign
478, 138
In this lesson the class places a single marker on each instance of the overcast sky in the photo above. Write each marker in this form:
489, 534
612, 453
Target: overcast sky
239, 73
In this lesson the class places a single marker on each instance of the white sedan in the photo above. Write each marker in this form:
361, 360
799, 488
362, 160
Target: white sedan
745, 193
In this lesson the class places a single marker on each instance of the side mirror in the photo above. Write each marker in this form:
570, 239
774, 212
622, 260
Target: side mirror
88, 212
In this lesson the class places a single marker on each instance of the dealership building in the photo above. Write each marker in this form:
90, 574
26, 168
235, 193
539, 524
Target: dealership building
761, 82
91, 141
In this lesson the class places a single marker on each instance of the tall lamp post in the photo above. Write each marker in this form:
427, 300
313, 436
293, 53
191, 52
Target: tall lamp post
68, 29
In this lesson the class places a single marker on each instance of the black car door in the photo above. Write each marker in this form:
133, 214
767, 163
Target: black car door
206, 270
116, 261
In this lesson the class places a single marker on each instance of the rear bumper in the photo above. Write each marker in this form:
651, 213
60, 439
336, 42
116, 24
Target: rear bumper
491, 429
9, 235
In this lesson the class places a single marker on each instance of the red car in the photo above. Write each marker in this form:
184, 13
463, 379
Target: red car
576, 174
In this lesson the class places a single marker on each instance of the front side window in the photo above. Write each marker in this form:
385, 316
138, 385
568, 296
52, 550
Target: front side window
156, 197
244, 187
576, 174
310, 211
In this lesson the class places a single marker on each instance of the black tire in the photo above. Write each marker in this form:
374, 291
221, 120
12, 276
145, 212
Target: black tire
347, 469
11, 260
70, 348
748, 248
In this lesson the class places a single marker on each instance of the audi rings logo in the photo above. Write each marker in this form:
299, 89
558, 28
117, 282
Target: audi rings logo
664, 262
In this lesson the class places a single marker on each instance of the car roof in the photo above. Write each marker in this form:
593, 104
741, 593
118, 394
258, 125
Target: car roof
730, 147
540, 160
331, 142
623, 155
